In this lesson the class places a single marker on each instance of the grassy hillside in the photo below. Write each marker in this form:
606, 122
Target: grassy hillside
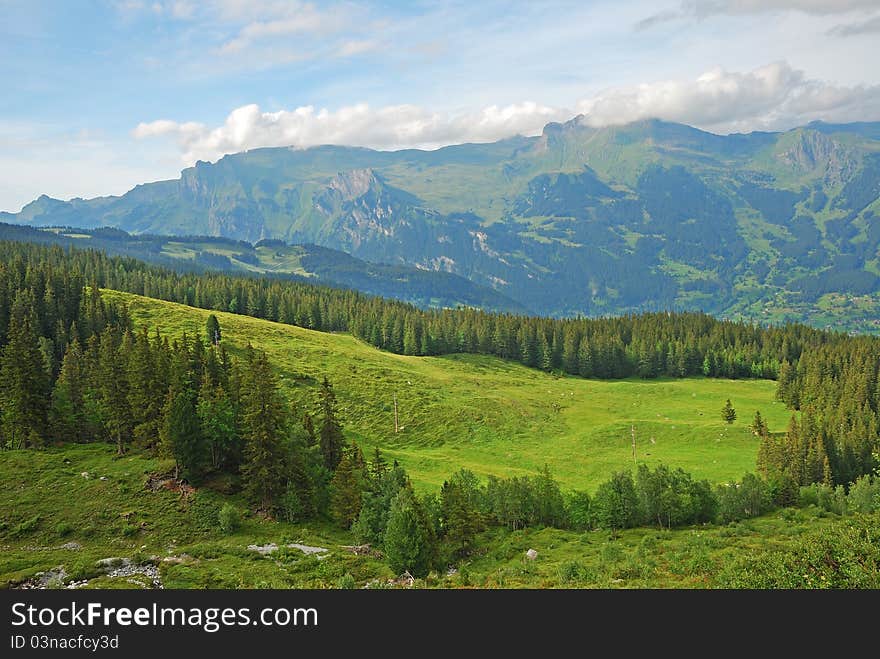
65, 511
496, 417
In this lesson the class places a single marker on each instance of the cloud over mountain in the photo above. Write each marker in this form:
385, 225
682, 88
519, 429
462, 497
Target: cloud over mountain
770, 97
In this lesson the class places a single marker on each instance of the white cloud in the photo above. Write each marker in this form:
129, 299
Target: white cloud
279, 21
869, 26
358, 47
390, 127
701, 9
770, 97
821, 7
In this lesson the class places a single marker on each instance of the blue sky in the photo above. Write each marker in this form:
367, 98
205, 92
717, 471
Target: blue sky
100, 95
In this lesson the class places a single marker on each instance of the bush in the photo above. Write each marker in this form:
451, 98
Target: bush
63, 529
864, 495
748, 498
229, 519
845, 555
205, 512
128, 530
346, 582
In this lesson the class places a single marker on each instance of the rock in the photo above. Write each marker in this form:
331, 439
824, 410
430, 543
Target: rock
103, 478
531, 554
305, 549
264, 549
406, 580
86, 475
71, 546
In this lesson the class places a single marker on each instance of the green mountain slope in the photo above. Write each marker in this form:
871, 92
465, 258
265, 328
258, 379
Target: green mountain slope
578, 220
423, 288
493, 416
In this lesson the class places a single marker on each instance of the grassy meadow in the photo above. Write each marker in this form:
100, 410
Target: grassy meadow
493, 416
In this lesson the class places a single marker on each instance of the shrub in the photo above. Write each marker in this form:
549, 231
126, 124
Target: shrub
63, 529
229, 519
864, 495
346, 582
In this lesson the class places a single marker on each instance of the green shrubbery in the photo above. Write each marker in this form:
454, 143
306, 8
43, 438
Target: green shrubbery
229, 519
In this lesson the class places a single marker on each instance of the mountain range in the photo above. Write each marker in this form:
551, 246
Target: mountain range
578, 220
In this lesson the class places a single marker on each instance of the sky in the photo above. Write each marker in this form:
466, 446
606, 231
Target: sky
97, 96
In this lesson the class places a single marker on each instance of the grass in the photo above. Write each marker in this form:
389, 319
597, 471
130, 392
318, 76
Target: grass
179, 537
494, 416
72, 506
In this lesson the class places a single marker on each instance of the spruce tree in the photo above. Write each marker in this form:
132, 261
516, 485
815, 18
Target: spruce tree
345, 491
332, 440
728, 413
68, 419
212, 330
24, 383
264, 425
113, 389
758, 427
409, 538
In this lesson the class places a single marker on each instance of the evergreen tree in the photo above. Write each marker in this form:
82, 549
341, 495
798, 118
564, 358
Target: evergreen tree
460, 519
113, 389
758, 427
728, 413
264, 425
181, 434
332, 440
217, 420
24, 383
68, 415
409, 538
345, 491
212, 330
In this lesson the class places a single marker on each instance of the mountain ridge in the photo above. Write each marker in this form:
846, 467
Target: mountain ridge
577, 220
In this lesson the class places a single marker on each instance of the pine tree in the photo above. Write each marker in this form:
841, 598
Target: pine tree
345, 491
181, 434
459, 517
212, 330
409, 538
68, 403
146, 392
758, 427
331, 439
378, 466
113, 389
728, 413
585, 359
24, 383
217, 421
264, 424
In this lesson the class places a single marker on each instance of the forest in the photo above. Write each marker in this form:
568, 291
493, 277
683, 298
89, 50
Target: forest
74, 369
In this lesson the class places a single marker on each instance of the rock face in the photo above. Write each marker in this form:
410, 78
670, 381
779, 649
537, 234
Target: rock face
814, 152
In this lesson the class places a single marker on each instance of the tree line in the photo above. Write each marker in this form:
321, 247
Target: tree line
648, 345
832, 378
420, 533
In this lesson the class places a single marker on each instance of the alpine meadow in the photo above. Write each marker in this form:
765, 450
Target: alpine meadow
437, 295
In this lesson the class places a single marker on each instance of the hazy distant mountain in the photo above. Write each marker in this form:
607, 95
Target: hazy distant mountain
424, 288
576, 220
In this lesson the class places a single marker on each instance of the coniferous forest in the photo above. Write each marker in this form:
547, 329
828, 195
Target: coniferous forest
75, 369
